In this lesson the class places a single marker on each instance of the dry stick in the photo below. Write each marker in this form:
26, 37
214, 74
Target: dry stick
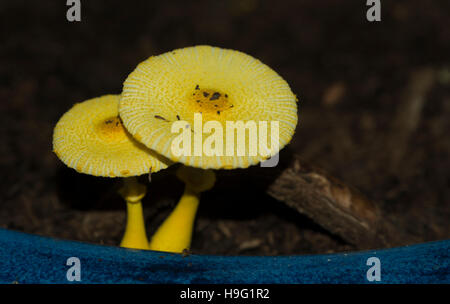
337, 207
408, 114
328, 202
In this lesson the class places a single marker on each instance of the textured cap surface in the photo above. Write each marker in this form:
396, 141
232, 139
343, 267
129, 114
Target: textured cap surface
223, 85
91, 139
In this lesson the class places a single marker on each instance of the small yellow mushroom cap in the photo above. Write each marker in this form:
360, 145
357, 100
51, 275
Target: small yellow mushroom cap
220, 84
91, 139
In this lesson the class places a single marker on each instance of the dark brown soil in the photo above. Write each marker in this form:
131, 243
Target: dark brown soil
351, 77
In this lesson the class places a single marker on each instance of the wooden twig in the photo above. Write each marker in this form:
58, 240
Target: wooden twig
335, 206
408, 114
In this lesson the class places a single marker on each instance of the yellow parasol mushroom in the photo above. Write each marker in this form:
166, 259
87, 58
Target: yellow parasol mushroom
91, 139
219, 87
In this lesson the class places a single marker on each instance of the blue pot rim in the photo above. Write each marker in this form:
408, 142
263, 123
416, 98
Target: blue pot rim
29, 258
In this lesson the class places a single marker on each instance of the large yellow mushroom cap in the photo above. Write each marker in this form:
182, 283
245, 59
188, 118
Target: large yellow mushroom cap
91, 139
221, 84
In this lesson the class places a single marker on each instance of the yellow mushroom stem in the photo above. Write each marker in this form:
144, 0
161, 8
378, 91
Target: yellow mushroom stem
135, 235
175, 233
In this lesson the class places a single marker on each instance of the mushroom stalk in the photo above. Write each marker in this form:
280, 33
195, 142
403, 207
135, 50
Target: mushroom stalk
175, 233
135, 235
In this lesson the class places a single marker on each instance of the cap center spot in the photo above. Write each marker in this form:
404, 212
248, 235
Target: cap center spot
210, 101
111, 129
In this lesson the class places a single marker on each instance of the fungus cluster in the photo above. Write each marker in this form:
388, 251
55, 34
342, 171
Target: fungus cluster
131, 134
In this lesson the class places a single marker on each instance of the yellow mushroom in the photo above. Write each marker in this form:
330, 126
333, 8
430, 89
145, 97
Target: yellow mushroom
91, 139
219, 86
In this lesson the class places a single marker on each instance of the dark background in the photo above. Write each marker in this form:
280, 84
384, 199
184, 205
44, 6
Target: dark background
352, 77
